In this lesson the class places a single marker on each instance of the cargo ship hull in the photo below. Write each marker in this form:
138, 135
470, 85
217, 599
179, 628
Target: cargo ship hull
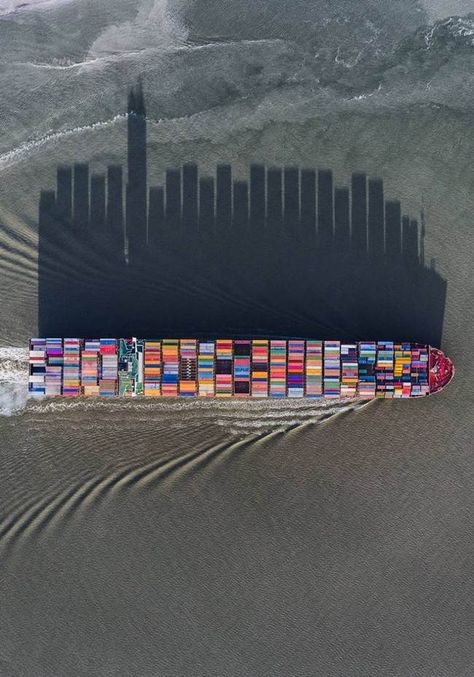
250, 368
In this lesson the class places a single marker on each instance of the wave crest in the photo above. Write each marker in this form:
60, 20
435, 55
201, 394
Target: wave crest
155, 26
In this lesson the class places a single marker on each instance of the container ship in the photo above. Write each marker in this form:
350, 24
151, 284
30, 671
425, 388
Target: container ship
268, 368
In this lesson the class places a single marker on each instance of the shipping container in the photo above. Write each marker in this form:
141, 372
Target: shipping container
385, 375
367, 376
259, 368
332, 369
278, 365
188, 368
241, 368
296, 368
152, 368
206, 369
349, 369
314, 368
170, 377
108, 367
90, 367
224, 363
71, 386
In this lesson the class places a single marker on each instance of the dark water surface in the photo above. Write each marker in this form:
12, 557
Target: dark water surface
229, 538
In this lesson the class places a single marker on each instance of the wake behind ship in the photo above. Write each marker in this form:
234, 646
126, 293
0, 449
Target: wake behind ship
131, 367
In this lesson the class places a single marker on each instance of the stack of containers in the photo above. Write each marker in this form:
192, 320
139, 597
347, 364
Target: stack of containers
350, 369
419, 371
367, 382
109, 367
242, 350
152, 369
314, 368
278, 352
90, 367
259, 368
402, 370
425, 376
332, 369
170, 353
397, 370
188, 368
223, 368
296, 361
54, 366
206, 369
37, 362
406, 375
384, 369
72, 365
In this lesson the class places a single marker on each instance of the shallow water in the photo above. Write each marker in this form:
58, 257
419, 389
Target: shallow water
229, 538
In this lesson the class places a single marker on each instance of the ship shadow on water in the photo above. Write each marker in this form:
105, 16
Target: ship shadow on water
285, 253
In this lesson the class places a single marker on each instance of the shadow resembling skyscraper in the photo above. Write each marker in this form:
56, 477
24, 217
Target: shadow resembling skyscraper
136, 194
284, 253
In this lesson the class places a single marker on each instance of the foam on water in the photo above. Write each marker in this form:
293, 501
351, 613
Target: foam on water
24, 150
13, 380
156, 25
12, 6
237, 416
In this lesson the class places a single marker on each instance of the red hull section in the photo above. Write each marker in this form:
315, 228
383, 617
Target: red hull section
441, 370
